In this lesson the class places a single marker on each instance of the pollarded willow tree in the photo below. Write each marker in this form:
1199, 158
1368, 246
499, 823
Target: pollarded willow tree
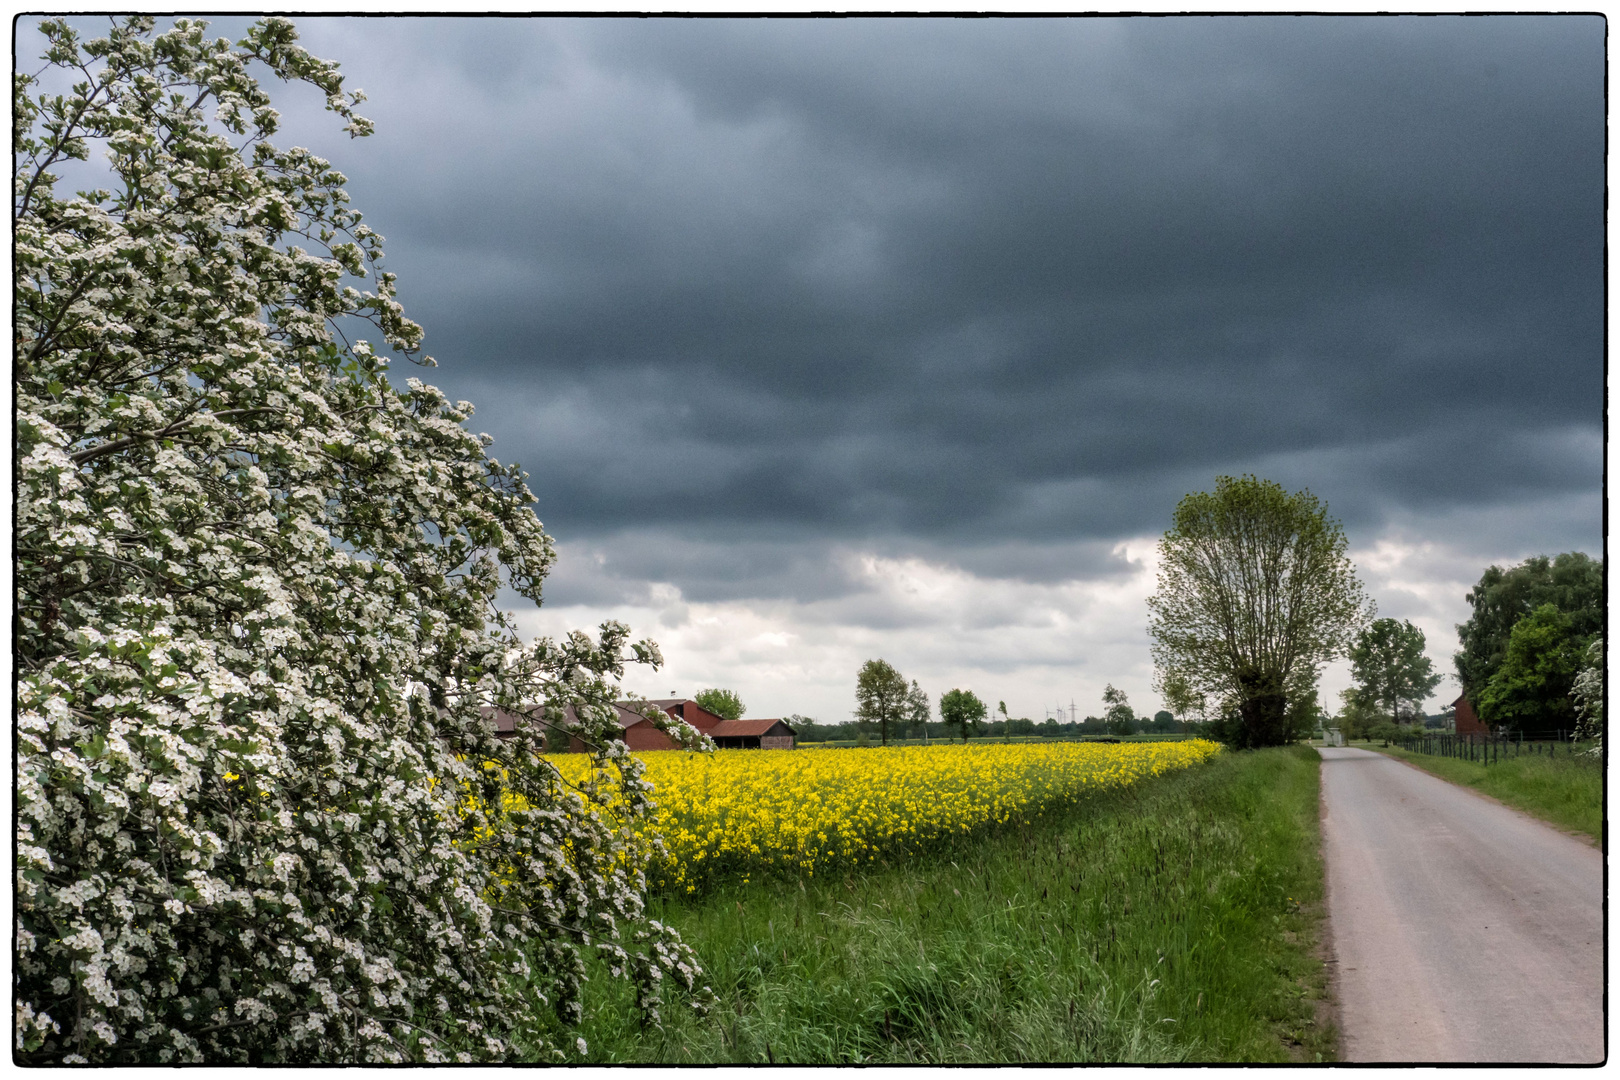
1255, 593
259, 813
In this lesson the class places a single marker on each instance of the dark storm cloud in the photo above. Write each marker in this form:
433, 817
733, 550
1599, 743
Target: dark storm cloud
960, 280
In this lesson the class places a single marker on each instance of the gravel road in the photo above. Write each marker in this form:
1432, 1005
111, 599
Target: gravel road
1463, 930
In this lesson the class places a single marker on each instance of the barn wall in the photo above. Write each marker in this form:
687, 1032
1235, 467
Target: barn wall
776, 742
644, 736
1468, 722
694, 714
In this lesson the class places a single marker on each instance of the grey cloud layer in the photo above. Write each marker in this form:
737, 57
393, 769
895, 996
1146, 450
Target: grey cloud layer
629, 567
955, 281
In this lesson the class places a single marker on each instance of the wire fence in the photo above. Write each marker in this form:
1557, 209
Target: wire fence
1490, 749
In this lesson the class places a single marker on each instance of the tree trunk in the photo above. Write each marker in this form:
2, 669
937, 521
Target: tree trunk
1264, 708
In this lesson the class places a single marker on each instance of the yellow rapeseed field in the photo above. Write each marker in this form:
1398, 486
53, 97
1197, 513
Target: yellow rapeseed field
753, 812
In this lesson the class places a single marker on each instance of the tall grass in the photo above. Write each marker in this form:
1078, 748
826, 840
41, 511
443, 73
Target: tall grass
1565, 790
1170, 922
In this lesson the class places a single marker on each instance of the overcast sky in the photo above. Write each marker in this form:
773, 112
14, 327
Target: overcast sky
824, 340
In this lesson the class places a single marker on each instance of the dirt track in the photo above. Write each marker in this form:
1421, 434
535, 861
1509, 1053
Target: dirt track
1463, 930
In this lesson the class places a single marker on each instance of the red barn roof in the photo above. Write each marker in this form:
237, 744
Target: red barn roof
506, 722
745, 727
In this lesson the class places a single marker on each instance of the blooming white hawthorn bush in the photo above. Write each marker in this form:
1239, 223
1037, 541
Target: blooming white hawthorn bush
1588, 695
259, 813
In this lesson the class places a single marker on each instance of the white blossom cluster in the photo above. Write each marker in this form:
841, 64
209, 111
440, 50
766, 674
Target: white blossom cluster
1588, 695
260, 816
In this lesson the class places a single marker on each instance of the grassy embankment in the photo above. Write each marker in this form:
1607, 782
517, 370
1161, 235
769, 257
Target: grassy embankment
1173, 922
1564, 790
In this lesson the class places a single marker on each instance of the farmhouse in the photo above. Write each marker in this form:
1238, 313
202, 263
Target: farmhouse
505, 723
690, 711
640, 734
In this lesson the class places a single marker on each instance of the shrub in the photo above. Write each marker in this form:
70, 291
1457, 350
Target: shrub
258, 805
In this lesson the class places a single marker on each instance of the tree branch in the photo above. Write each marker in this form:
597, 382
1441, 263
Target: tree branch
94, 452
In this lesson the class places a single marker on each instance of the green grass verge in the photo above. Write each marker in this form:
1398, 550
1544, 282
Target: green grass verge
1174, 922
1566, 791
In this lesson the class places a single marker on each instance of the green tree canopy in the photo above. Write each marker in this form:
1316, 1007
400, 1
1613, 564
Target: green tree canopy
1358, 714
881, 696
1120, 717
721, 702
1531, 690
1255, 593
1572, 582
1305, 714
1178, 694
918, 707
962, 709
1388, 664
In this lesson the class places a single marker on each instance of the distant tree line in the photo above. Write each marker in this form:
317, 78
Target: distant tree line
888, 707
864, 732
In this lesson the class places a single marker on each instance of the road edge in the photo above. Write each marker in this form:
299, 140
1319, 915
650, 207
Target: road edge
1329, 1010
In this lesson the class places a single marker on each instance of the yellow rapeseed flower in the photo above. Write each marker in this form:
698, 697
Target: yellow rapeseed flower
746, 813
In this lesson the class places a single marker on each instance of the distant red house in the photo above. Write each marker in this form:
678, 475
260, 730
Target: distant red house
1468, 722
640, 734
